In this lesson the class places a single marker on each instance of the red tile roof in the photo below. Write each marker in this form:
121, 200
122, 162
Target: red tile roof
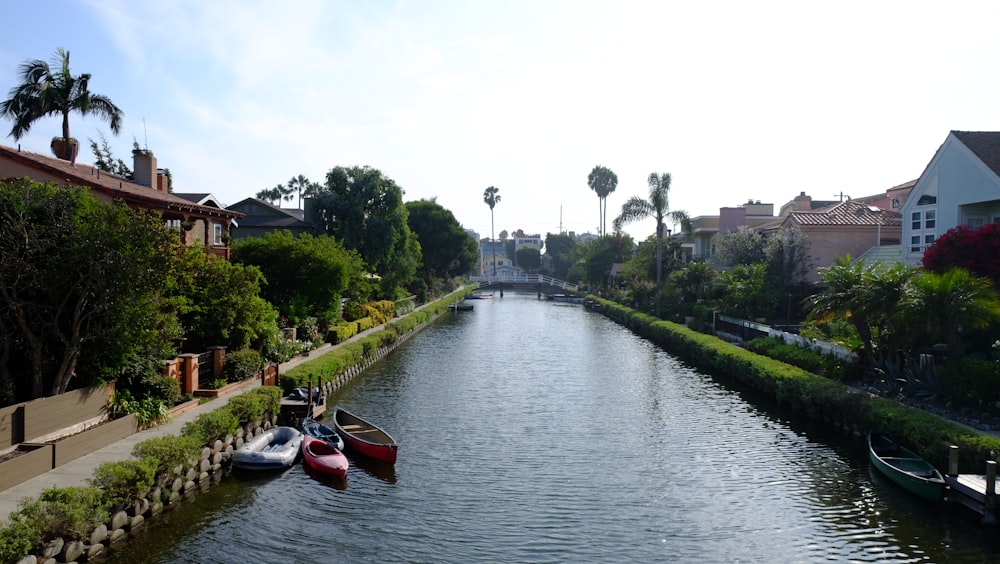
848, 212
135, 195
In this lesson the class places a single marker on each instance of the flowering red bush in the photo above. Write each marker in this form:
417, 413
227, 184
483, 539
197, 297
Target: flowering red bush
976, 250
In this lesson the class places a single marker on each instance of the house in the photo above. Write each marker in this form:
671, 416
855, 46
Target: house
491, 252
851, 227
261, 218
705, 228
198, 223
959, 186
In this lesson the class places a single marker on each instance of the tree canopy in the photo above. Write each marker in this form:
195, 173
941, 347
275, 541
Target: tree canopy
602, 181
363, 209
447, 249
75, 271
975, 250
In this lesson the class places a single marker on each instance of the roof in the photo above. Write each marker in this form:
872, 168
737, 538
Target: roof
985, 145
263, 214
112, 185
848, 212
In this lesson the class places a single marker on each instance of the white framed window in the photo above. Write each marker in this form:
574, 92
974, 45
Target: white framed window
915, 244
930, 219
975, 222
216, 233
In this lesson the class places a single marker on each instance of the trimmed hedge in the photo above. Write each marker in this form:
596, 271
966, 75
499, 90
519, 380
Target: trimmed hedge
817, 397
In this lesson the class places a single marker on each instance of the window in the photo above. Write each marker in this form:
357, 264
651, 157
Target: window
216, 233
915, 244
915, 217
928, 239
930, 217
974, 222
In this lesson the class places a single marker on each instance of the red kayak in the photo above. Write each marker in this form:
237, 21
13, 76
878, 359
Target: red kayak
323, 457
363, 437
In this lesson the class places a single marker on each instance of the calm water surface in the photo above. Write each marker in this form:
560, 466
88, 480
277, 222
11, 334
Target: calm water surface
533, 431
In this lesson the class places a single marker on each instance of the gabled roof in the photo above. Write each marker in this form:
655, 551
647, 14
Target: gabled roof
985, 145
263, 214
848, 212
111, 185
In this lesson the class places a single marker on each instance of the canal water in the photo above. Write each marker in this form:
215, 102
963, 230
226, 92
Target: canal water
533, 431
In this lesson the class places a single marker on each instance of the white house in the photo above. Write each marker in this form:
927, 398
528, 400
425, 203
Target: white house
960, 186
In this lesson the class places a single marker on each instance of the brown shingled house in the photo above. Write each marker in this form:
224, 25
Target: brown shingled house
198, 223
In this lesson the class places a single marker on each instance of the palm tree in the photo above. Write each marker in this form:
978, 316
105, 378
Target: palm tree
867, 296
657, 206
604, 182
301, 185
492, 198
942, 305
46, 90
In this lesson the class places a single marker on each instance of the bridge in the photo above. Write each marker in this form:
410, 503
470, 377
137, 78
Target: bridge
536, 279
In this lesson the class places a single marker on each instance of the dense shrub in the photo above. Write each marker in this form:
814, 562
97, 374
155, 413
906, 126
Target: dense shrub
972, 382
247, 407
168, 451
124, 481
242, 364
341, 332
147, 410
70, 512
18, 537
161, 387
211, 425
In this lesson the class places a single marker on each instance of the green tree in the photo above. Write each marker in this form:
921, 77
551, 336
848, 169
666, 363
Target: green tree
491, 197
656, 206
364, 210
276, 194
447, 249
75, 272
602, 181
559, 246
601, 254
695, 279
104, 160
45, 91
529, 258
747, 292
306, 275
303, 187
867, 296
944, 307
219, 302
744, 245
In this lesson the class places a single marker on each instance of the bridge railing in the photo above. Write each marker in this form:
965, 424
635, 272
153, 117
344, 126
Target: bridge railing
524, 279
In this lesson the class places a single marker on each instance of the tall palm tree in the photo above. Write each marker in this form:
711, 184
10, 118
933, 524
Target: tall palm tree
46, 90
299, 184
492, 198
604, 182
942, 305
658, 207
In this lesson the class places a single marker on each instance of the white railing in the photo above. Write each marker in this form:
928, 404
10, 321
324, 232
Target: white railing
523, 279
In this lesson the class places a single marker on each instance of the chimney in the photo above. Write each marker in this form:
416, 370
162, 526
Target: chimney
803, 202
144, 167
162, 182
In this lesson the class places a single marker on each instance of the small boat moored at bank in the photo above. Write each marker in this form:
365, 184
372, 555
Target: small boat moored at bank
363, 437
904, 467
565, 298
274, 449
320, 431
323, 457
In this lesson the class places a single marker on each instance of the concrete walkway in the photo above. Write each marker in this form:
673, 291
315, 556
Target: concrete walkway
79, 471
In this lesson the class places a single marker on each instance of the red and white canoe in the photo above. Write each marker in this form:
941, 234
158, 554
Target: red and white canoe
323, 457
363, 437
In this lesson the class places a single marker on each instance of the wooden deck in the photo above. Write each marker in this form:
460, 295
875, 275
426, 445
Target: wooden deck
975, 491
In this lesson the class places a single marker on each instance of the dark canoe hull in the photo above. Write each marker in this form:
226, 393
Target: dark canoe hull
363, 437
905, 468
323, 457
316, 429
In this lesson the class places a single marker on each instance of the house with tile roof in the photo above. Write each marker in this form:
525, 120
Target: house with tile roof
849, 227
261, 218
199, 223
959, 186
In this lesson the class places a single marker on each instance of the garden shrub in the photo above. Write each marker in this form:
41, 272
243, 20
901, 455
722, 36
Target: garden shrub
242, 364
70, 512
365, 323
147, 411
972, 382
124, 481
341, 332
246, 407
211, 426
161, 387
168, 451
18, 537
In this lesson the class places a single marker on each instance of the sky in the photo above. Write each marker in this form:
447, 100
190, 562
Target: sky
737, 100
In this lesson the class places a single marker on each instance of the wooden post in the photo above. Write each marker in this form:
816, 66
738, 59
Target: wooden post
953, 460
991, 477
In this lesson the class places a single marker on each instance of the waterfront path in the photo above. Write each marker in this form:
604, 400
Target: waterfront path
78, 472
